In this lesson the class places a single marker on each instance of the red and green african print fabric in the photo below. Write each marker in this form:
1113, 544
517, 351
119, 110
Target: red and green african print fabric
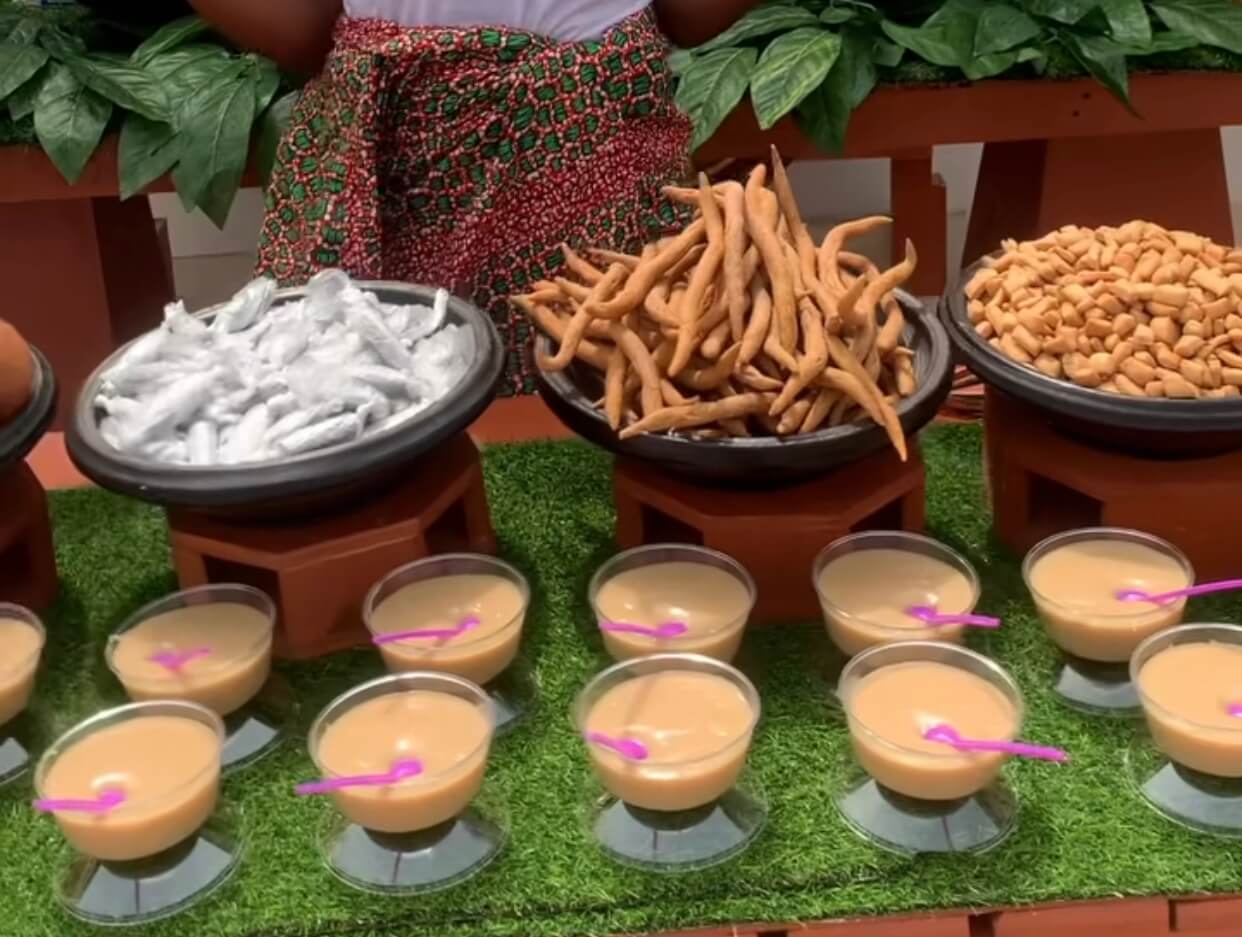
464, 158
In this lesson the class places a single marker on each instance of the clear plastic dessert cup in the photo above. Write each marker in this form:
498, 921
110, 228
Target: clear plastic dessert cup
924, 797
662, 785
461, 586
164, 756
18, 666
223, 633
1108, 632
715, 602
415, 803
418, 833
854, 632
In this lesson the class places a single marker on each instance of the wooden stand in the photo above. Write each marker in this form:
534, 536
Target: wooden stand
27, 558
1043, 483
774, 533
318, 572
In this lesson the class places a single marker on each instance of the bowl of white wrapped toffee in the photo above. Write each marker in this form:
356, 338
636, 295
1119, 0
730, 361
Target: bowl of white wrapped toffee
281, 401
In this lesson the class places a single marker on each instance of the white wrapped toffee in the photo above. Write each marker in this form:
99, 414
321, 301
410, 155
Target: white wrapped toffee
263, 382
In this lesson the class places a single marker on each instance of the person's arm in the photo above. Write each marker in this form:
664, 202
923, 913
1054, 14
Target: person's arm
690, 22
296, 33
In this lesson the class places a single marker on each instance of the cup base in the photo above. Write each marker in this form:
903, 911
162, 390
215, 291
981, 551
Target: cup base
680, 841
145, 890
1099, 689
910, 826
14, 753
403, 864
1201, 802
258, 728
513, 694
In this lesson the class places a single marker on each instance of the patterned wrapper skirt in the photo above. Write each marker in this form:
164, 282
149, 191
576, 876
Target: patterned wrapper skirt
464, 158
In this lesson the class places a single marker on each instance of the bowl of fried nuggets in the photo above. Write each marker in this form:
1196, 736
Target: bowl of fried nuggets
740, 351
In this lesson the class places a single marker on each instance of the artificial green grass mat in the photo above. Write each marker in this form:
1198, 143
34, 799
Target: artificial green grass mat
1082, 831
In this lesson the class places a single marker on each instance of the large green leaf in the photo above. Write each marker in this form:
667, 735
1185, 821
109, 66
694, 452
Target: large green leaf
1063, 11
69, 121
1104, 59
1002, 27
22, 101
793, 66
216, 122
1128, 20
271, 131
762, 21
128, 86
887, 54
146, 151
26, 30
18, 64
824, 115
679, 60
1212, 22
186, 68
933, 43
712, 87
168, 37
62, 45
1162, 42
835, 16
266, 81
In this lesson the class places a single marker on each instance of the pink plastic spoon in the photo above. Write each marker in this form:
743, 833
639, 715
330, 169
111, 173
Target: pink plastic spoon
1163, 598
1234, 709
401, 770
626, 748
107, 800
948, 735
669, 629
466, 624
929, 616
175, 660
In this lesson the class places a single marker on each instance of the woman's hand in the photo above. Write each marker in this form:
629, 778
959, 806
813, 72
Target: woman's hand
691, 22
296, 33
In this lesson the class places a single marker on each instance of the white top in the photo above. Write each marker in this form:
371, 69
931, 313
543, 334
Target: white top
567, 20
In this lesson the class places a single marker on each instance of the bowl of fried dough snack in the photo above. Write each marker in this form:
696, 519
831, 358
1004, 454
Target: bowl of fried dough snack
1128, 336
740, 351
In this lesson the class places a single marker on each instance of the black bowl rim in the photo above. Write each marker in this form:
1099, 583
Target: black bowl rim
22, 433
941, 363
300, 476
1068, 399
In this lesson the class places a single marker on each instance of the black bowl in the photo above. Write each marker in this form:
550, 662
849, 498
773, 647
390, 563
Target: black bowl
20, 434
758, 460
1140, 425
313, 482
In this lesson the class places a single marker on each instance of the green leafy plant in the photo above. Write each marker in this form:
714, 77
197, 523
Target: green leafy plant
820, 59
181, 102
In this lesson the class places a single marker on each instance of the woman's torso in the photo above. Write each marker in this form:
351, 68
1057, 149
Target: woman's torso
568, 20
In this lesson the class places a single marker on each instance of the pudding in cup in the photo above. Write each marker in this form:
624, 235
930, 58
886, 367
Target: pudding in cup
413, 832
474, 608
1189, 681
673, 800
210, 645
21, 644
920, 795
1073, 579
702, 596
867, 581
154, 850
